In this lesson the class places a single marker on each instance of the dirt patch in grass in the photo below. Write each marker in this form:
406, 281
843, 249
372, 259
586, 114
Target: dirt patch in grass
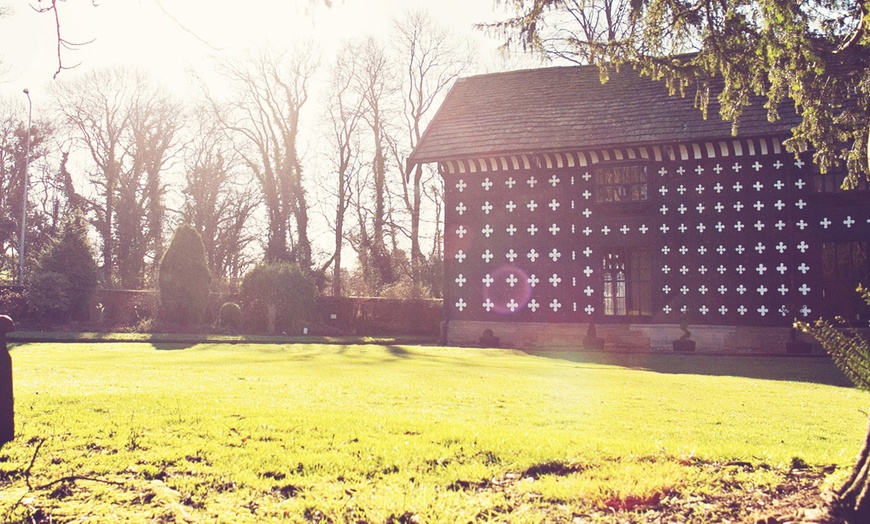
798, 497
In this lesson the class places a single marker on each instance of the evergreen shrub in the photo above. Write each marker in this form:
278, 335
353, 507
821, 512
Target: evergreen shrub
278, 298
184, 279
230, 315
47, 296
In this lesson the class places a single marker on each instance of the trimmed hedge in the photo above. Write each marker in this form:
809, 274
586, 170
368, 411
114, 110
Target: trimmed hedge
184, 279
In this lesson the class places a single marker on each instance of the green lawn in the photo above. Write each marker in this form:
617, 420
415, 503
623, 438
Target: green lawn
237, 433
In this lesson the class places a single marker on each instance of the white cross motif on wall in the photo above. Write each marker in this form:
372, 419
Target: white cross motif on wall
663, 190
718, 187
741, 289
760, 248
605, 230
683, 228
487, 231
554, 255
681, 190
586, 194
703, 290
532, 255
761, 269
589, 291
718, 207
779, 205
738, 206
800, 183
461, 304
511, 280
804, 289
681, 170
758, 205
587, 231
666, 269
702, 270
512, 305
587, 213
756, 166
740, 249
587, 251
487, 280
532, 205
532, 229
699, 170
587, 176
488, 305
666, 289
759, 225
554, 229
800, 204
779, 225
684, 290
722, 290
803, 268
779, 185
487, 256
721, 249
533, 305
663, 172
702, 250
758, 186
533, 280
664, 209
683, 250
719, 227
742, 310
684, 270
511, 229
739, 226
737, 187
664, 228
510, 182
849, 222
699, 189
460, 280
486, 184
555, 305
740, 269
643, 229
803, 246
460, 208
799, 163
511, 256
825, 222
532, 181
782, 268
555, 280
762, 310
667, 309
778, 164
486, 207
461, 185
588, 271
723, 310
781, 247
666, 250
554, 180
700, 228
704, 310
700, 208
589, 309
625, 229
461, 231
761, 290
805, 311
782, 289
554, 205
510, 206
721, 269
736, 167
460, 256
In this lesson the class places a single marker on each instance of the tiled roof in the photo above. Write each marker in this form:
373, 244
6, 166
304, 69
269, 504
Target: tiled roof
562, 109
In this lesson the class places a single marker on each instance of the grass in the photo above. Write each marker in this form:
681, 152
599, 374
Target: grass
252, 433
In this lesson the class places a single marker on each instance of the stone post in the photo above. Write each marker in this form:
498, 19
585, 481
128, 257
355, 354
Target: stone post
7, 408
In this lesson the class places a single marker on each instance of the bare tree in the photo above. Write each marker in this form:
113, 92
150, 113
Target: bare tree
431, 59
126, 126
270, 91
217, 200
344, 110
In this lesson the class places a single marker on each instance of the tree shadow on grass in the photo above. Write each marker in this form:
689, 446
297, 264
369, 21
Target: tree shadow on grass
812, 370
172, 346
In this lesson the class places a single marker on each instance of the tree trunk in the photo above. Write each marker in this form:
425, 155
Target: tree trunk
853, 498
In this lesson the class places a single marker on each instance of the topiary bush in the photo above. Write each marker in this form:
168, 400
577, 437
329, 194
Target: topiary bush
184, 279
47, 296
71, 256
230, 316
278, 298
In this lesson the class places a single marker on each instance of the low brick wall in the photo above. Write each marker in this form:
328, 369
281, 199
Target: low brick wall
626, 337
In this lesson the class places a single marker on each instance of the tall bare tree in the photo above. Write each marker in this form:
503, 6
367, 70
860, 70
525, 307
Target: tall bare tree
269, 92
218, 201
431, 59
126, 126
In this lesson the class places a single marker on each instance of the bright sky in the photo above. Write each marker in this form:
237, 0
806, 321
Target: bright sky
139, 32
